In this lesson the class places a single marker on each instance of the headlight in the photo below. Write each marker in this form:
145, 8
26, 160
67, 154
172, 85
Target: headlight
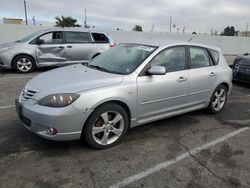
58, 100
5, 49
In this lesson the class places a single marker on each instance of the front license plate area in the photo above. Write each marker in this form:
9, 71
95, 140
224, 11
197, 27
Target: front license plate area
18, 108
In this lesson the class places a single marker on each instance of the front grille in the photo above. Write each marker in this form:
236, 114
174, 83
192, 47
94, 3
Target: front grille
28, 94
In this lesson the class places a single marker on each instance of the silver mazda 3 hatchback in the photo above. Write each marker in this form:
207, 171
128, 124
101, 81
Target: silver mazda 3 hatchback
126, 86
54, 47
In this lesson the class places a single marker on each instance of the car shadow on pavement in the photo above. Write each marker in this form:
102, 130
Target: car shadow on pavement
241, 84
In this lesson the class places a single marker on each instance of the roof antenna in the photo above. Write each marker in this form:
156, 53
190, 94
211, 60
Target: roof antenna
194, 35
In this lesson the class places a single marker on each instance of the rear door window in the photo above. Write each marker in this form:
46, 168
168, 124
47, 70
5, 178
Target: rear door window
99, 38
76, 37
199, 58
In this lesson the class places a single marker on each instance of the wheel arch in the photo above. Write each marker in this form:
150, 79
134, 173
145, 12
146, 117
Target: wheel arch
226, 85
12, 61
118, 102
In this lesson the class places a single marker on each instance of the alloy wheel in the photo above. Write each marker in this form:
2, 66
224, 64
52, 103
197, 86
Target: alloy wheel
108, 127
219, 99
24, 64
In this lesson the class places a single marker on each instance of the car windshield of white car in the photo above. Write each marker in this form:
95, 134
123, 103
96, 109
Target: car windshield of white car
123, 59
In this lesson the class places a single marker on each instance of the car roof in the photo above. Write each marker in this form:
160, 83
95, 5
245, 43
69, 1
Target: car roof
169, 43
69, 29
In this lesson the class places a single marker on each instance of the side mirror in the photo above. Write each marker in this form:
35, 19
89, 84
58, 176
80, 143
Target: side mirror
39, 41
157, 70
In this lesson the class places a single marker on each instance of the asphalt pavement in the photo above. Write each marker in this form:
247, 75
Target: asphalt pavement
193, 150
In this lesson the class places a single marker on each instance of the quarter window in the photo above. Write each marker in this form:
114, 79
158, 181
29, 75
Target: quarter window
76, 37
216, 56
173, 59
100, 38
199, 58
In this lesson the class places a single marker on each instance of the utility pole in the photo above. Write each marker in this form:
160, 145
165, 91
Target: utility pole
170, 25
25, 10
246, 29
85, 18
152, 29
34, 20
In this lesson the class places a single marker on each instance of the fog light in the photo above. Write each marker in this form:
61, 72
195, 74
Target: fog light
51, 131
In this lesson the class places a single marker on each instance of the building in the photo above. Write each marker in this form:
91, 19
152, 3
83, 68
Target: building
13, 21
244, 33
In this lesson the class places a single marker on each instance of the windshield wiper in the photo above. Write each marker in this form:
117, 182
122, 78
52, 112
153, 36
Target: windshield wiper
102, 69
98, 67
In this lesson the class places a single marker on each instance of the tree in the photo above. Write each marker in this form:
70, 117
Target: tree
137, 28
229, 31
66, 22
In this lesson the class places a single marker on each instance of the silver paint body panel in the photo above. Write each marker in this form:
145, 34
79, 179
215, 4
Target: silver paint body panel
149, 98
52, 54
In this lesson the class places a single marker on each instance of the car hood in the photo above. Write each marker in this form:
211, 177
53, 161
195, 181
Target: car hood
71, 79
4, 45
11, 44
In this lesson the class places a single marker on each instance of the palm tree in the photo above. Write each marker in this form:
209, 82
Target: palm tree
66, 22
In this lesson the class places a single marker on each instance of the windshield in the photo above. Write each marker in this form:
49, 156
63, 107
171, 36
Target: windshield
123, 59
29, 37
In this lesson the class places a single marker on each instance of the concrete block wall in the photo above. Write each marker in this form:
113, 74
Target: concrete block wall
229, 45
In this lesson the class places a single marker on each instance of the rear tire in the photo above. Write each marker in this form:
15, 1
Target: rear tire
218, 99
106, 126
23, 64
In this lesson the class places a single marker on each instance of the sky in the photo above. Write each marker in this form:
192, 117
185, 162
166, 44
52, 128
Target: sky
200, 16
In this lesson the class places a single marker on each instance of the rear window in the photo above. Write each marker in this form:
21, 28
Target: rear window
215, 55
76, 37
100, 38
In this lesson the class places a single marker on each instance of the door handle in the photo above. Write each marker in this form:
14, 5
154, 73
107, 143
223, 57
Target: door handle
69, 46
61, 47
212, 74
181, 79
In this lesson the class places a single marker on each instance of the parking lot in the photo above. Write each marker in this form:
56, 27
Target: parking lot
197, 149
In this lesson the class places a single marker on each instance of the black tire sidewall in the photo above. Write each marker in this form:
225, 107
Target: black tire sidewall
210, 107
87, 128
23, 56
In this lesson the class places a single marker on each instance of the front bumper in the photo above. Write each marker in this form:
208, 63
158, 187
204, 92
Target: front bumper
68, 121
5, 61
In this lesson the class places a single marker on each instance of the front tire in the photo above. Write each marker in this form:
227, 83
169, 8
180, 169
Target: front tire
218, 99
106, 126
23, 64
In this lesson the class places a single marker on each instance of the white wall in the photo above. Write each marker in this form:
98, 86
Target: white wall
229, 45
